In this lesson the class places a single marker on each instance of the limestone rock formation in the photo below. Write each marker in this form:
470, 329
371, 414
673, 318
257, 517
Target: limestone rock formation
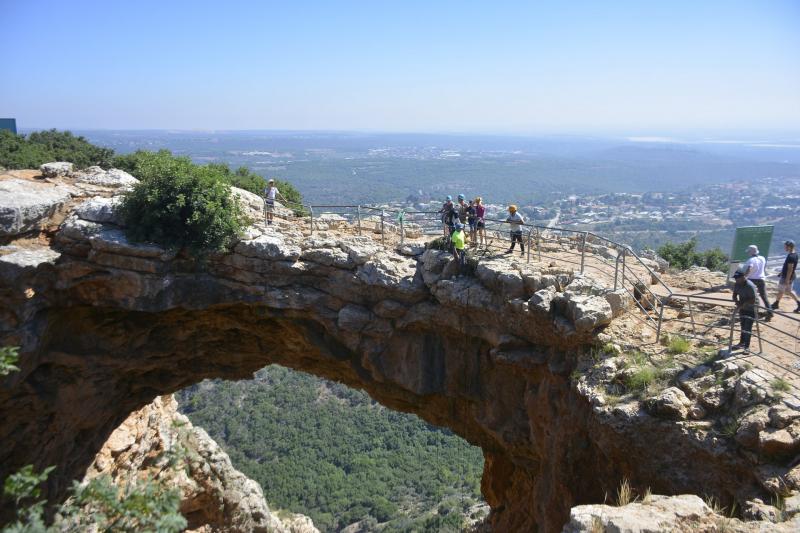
684, 514
156, 442
507, 358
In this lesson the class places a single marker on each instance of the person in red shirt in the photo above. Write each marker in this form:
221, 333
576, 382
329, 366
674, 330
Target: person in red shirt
480, 213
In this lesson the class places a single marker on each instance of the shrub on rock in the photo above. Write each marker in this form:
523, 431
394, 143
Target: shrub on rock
179, 204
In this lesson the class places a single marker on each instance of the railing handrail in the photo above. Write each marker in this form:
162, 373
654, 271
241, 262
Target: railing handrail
541, 231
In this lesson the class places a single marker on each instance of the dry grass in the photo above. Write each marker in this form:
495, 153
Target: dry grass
625, 493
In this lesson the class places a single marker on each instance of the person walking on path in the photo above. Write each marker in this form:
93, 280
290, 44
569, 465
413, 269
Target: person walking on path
516, 222
448, 215
472, 220
480, 213
459, 254
271, 193
754, 271
787, 276
744, 296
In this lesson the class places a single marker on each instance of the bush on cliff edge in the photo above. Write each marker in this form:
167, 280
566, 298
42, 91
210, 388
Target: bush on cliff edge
179, 204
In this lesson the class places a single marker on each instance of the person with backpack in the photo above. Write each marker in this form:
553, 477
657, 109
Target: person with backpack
271, 192
787, 276
515, 222
462, 209
472, 220
754, 271
448, 215
458, 240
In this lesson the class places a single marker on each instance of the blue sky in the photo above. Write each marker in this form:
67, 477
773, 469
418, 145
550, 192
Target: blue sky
511, 67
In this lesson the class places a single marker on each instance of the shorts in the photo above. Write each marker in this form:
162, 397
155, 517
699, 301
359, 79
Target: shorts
784, 286
269, 205
481, 224
473, 224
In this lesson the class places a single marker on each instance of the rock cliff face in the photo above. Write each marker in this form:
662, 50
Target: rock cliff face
156, 442
106, 326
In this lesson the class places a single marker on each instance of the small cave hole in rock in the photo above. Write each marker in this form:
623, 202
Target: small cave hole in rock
332, 453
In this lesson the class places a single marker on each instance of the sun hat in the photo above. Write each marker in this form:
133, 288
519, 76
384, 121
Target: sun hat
738, 274
752, 249
459, 225
789, 242
271, 180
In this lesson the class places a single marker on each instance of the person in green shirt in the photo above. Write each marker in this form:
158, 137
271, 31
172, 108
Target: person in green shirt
457, 239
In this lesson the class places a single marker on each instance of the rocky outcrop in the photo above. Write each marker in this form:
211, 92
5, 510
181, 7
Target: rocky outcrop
685, 514
106, 325
158, 443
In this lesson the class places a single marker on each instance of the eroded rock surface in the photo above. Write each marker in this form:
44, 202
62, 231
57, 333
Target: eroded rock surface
106, 325
158, 443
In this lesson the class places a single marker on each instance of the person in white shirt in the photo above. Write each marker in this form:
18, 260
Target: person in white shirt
754, 271
515, 222
271, 192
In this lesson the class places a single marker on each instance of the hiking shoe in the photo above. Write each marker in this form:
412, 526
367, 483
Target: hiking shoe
746, 350
797, 309
509, 251
522, 254
737, 346
774, 306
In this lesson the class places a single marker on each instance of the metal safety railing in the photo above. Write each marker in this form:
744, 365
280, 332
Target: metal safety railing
703, 317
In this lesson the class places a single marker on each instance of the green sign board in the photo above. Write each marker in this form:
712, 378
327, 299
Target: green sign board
761, 236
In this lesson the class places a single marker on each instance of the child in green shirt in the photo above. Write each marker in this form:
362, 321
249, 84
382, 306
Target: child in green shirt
457, 239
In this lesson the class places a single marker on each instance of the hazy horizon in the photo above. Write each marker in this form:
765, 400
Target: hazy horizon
512, 68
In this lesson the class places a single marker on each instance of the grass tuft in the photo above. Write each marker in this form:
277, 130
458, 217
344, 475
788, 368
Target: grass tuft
625, 493
780, 385
678, 345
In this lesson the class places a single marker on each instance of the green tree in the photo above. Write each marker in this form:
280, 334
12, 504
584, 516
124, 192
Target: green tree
19, 151
9, 356
96, 505
684, 255
179, 204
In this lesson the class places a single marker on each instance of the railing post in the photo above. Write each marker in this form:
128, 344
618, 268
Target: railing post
733, 322
538, 246
583, 249
383, 234
616, 268
402, 229
624, 255
691, 314
758, 331
311, 210
660, 319
358, 214
529, 245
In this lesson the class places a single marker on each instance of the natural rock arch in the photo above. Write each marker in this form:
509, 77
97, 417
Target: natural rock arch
106, 326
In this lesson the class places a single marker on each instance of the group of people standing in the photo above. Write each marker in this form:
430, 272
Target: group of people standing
750, 284
472, 214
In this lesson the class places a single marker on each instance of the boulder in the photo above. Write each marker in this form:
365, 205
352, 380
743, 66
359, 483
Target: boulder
25, 206
671, 403
113, 177
56, 170
542, 300
619, 301
100, 209
588, 312
270, 246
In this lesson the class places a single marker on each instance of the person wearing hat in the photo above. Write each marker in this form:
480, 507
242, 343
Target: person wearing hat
271, 192
449, 215
787, 276
744, 297
458, 239
515, 222
462, 209
754, 271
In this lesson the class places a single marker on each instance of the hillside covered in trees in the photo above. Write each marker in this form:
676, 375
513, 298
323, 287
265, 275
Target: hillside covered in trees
330, 452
